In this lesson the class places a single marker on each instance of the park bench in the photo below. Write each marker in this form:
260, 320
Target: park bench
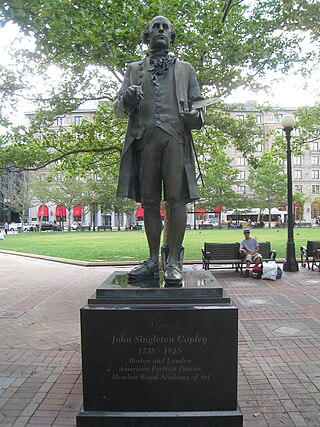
205, 226
220, 254
104, 227
84, 228
310, 254
266, 252
303, 224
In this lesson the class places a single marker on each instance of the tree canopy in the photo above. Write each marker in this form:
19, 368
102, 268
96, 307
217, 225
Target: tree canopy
91, 41
86, 38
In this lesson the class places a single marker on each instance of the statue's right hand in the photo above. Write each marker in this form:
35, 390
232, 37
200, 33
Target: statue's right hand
133, 94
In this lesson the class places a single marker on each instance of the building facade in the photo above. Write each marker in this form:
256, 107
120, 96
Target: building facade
305, 169
78, 213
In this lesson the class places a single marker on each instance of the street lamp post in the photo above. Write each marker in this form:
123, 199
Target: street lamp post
290, 263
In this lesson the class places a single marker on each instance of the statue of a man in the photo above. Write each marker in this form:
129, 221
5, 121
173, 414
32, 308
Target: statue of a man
157, 95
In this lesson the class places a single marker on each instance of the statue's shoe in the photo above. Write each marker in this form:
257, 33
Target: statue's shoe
172, 274
148, 268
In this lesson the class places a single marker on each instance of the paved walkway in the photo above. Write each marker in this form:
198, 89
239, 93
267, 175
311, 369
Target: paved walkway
40, 367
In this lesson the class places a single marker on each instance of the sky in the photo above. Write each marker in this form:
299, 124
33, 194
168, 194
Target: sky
290, 91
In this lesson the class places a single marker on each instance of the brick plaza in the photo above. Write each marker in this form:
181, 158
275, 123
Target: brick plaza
40, 366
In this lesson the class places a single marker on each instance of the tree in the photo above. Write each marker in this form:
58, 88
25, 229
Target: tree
268, 182
101, 192
218, 178
91, 50
17, 192
41, 190
77, 35
66, 190
300, 199
309, 123
86, 147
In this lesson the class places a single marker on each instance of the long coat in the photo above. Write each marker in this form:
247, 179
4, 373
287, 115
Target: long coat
187, 88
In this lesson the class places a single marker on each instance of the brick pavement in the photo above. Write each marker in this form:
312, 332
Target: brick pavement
40, 367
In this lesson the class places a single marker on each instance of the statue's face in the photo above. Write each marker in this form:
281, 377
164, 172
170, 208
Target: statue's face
159, 33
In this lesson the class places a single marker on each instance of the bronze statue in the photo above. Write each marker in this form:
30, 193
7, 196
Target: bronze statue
157, 95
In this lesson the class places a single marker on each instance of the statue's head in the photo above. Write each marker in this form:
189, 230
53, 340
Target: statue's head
159, 33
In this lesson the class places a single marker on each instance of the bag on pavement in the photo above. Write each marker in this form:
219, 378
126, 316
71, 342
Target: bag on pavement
269, 270
256, 271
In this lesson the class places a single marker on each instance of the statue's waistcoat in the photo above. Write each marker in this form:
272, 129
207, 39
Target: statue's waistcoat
159, 106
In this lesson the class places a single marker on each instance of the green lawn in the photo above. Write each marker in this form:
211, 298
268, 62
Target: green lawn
132, 245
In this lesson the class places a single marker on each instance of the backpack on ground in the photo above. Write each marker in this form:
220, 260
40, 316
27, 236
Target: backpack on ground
279, 272
256, 271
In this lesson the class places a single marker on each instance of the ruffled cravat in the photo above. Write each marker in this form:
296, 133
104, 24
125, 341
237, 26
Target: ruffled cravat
160, 62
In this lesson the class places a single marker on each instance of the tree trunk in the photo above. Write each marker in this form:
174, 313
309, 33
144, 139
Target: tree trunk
269, 217
69, 219
118, 216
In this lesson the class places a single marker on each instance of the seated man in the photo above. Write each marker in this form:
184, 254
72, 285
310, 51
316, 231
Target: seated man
250, 247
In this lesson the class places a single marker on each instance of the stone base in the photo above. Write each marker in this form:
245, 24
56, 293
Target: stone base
159, 356
160, 419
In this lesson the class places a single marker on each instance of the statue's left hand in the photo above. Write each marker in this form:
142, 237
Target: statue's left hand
190, 117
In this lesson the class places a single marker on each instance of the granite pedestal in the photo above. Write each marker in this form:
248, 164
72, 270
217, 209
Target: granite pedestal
160, 356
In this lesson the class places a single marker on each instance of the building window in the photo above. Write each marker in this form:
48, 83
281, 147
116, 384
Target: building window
278, 118
297, 160
298, 174
258, 119
314, 160
259, 148
241, 175
315, 174
77, 120
315, 189
296, 132
314, 146
60, 121
242, 189
240, 117
298, 188
241, 161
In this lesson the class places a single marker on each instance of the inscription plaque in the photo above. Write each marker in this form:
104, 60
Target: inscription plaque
143, 360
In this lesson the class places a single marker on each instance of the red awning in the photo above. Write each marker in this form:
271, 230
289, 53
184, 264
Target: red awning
43, 211
61, 210
77, 210
140, 213
218, 209
201, 212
